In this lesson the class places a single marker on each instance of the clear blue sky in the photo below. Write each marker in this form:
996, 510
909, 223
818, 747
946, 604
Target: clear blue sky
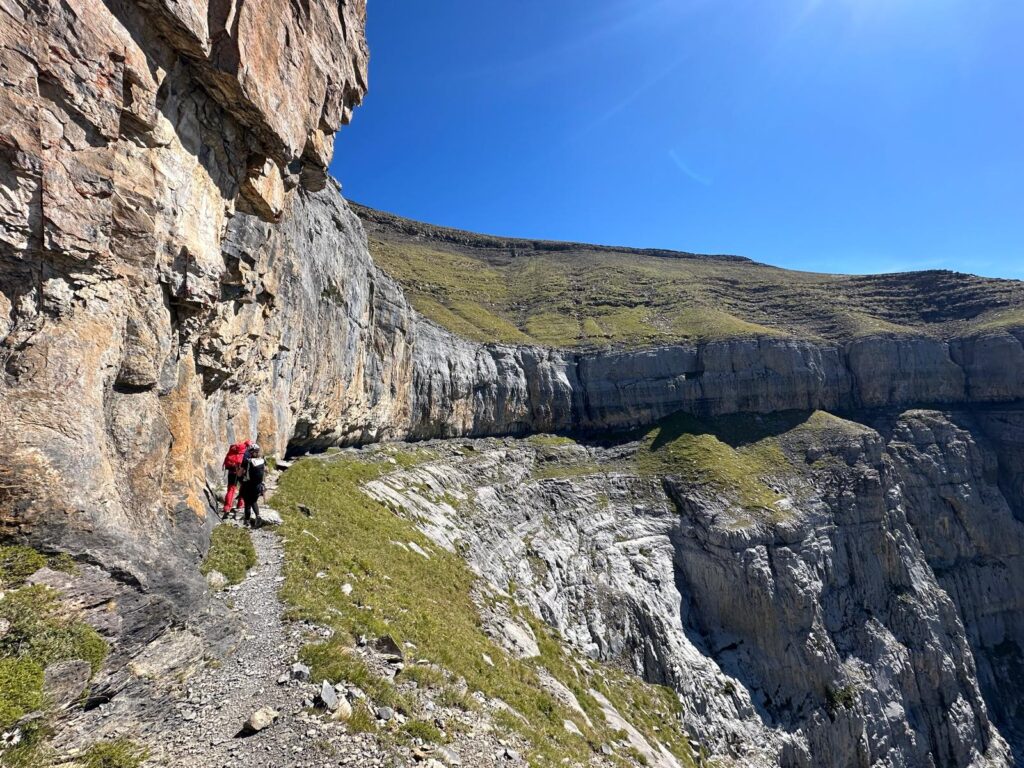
828, 135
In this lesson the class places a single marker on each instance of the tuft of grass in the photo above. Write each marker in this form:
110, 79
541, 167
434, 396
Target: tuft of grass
21, 689
231, 552
426, 602
362, 720
119, 753
335, 660
17, 563
422, 730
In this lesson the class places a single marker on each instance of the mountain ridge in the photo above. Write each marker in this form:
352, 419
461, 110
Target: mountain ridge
576, 295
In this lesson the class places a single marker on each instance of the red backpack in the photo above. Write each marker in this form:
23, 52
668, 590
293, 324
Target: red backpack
236, 455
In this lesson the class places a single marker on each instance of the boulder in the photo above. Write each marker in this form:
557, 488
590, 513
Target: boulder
270, 516
327, 698
216, 580
261, 719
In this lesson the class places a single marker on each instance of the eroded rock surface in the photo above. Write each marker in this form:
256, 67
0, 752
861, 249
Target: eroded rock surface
869, 620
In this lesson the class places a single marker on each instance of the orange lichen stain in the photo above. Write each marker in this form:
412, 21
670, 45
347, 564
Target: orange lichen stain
184, 421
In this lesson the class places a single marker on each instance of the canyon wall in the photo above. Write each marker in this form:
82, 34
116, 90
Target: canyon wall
871, 619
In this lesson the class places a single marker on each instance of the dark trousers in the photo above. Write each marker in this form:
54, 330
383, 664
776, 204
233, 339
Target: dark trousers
251, 497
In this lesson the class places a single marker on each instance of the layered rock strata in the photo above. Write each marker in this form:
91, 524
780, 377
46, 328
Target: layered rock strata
870, 620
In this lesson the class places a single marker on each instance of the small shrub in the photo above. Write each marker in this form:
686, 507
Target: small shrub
843, 697
231, 553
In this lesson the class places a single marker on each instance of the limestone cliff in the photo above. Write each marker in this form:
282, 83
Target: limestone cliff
135, 340
868, 617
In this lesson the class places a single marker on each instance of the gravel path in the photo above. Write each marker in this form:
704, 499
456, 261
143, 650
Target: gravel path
202, 730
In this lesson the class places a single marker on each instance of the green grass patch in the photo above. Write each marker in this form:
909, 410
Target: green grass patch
398, 592
554, 329
550, 441
21, 689
1003, 320
706, 324
335, 660
17, 563
735, 457
231, 553
424, 675
118, 753
42, 631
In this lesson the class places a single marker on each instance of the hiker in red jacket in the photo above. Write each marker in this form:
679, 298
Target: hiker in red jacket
233, 464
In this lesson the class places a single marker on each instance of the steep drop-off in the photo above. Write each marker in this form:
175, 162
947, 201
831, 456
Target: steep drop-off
820, 592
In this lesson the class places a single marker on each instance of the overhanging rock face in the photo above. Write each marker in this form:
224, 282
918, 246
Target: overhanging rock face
134, 341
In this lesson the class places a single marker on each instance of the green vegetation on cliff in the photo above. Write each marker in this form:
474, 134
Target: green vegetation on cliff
40, 631
574, 295
429, 602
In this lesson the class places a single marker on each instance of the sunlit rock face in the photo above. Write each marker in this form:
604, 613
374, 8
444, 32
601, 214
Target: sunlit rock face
870, 620
136, 337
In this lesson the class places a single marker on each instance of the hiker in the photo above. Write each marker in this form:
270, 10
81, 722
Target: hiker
253, 471
233, 464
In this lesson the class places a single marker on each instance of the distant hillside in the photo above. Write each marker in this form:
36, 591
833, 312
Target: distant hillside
575, 295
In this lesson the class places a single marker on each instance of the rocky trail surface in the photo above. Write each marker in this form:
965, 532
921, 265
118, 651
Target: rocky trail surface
204, 727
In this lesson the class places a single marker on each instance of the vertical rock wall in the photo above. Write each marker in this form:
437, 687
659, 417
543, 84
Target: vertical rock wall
131, 136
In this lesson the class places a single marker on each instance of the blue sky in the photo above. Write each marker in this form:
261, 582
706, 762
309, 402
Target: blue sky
826, 135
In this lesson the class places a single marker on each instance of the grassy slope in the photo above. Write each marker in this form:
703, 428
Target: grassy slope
571, 295
352, 539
